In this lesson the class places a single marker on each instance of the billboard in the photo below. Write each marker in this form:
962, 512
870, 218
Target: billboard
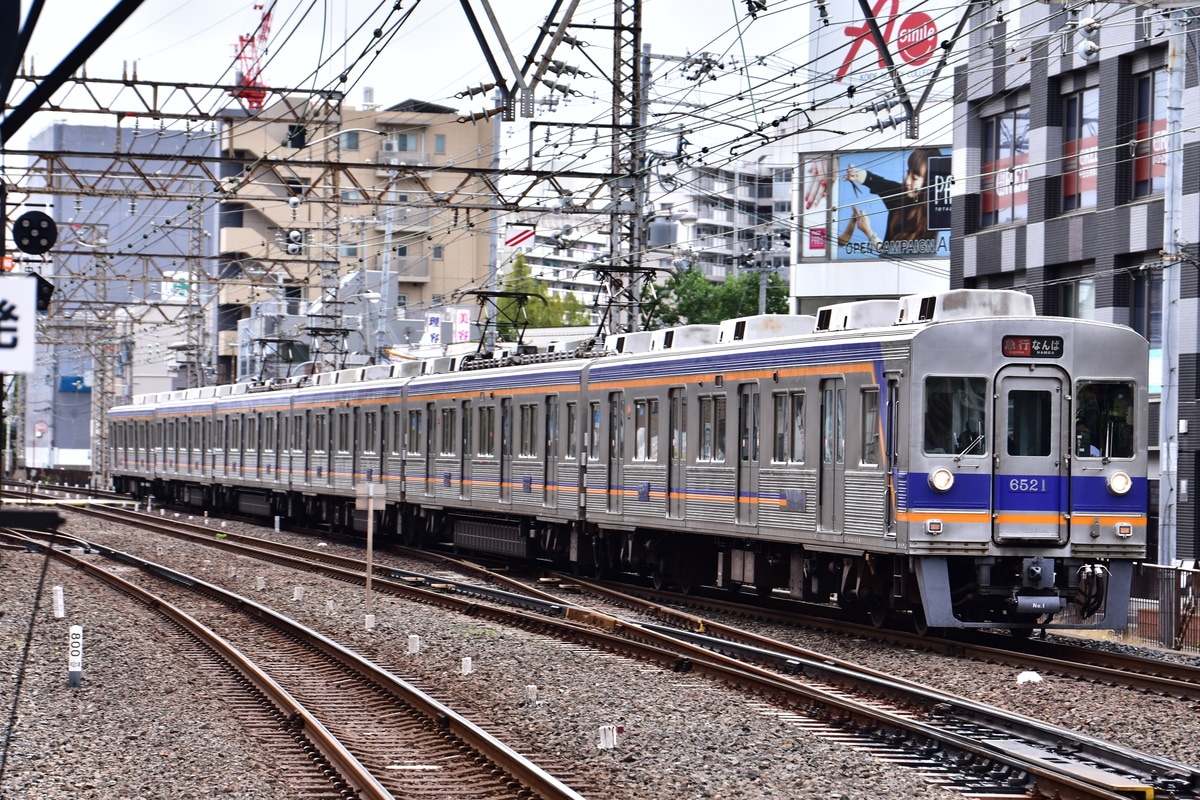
845, 55
892, 204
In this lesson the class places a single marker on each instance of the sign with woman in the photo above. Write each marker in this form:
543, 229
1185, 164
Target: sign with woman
894, 204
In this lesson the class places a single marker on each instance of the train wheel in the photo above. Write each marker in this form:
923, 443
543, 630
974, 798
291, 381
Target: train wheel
658, 578
879, 613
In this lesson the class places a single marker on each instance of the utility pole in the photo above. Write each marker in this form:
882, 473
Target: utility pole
1168, 454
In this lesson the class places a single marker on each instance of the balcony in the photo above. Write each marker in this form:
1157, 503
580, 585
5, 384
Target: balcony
404, 219
400, 158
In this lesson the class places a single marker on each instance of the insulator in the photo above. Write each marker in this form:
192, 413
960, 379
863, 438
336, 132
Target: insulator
482, 116
485, 88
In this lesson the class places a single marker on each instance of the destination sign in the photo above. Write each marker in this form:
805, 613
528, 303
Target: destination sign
1032, 347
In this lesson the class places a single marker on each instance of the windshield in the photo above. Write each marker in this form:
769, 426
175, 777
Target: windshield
955, 418
1104, 420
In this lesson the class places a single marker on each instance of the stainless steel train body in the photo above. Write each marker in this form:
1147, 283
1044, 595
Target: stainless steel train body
953, 455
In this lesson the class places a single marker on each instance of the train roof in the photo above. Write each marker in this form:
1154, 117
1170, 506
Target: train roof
562, 361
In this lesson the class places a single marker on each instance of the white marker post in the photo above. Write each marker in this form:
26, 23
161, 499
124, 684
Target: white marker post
75, 655
60, 606
365, 501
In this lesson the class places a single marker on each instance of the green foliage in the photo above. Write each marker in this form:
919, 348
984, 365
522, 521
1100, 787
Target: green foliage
688, 297
551, 311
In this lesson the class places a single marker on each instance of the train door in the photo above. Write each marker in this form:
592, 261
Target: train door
616, 453
306, 444
428, 445
677, 453
890, 455
506, 454
550, 455
1030, 481
356, 445
464, 451
833, 453
749, 425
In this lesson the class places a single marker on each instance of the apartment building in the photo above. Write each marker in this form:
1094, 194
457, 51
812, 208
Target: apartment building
341, 249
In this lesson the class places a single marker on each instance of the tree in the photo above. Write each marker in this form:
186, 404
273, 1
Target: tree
688, 297
550, 311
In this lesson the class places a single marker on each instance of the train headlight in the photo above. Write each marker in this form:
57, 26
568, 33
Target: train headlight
1119, 483
941, 479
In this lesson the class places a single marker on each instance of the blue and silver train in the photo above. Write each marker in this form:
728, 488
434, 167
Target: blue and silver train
955, 456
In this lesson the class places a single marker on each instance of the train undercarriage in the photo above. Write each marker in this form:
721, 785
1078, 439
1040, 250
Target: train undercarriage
1021, 592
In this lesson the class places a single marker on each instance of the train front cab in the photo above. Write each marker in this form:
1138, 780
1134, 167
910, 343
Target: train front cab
1027, 493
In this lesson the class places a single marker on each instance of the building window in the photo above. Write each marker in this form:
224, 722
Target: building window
350, 140
1150, 148
1081, 138
439, 252
401, 300
439, 143
296, 136
1005, 155
401, 142
1077, 299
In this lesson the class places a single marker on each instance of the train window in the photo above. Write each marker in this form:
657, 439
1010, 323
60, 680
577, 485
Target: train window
645, 425
487, 431
298, 433
572, 430
269, 434
870, 427
415, 437
319, 441
528, 422
1104, 420
712, 428
448, 431
789, 428
594, 433
397, 432
1029, 423
833, 425
797, 432
343, 433
235, 431
955, 415
252, 433
370, 436
219, 437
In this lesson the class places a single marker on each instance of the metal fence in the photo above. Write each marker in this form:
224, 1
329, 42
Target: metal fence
1164, 610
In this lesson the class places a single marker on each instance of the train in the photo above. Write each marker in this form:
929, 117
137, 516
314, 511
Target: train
952, 457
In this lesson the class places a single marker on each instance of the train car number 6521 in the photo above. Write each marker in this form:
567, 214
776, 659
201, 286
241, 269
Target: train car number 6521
1027, 485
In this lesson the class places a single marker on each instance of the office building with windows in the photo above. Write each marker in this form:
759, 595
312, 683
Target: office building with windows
1060, 169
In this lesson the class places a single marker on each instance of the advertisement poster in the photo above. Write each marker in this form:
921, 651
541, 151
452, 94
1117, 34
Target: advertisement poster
892, 204
842, 45
814, 212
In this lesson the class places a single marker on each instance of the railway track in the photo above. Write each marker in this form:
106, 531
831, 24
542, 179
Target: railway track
356, 729
953, 741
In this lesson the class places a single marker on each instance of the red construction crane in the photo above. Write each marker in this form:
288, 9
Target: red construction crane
251, 48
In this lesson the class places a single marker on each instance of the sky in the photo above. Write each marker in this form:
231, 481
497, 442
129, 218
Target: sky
432, 55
